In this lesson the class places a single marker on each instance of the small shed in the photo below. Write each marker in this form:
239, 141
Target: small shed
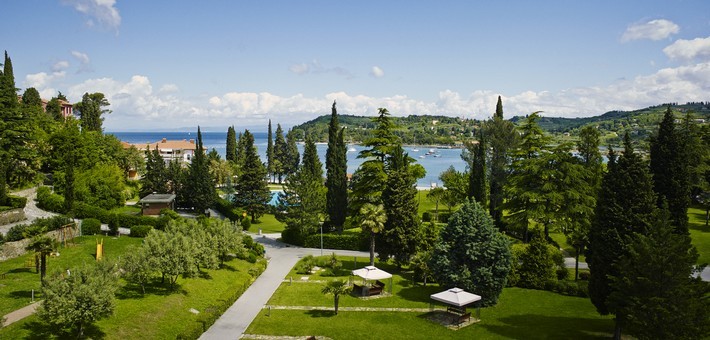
372, 273
154, 203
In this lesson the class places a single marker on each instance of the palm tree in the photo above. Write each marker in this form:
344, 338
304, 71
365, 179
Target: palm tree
336, 287
373, 220
43, 245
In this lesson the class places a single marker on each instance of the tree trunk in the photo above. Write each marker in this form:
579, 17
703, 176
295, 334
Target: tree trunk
42, 266
707, 215
617, 328
372, 249
576, 263
336, 299
81, 330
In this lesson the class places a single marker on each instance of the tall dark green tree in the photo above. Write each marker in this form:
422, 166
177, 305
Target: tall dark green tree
270, 160
231, 153
670, 166
252, 191
303, 199
11, 129
502, 139
200, 186
31, 98
475, 157
370, 178
292, 155
657, 294
154, 179
90, 110
399, 237
588, 147
336, 164
280, 153
626, 205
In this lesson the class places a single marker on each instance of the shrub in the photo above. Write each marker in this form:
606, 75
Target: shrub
426, 217
335, 241
90, 226
246, 223
83, 210
48, 201
252, 246
226, 208
306, 265
140, 230
17, 202
584, 276
16, 233
53, 223
444, 217
113, 223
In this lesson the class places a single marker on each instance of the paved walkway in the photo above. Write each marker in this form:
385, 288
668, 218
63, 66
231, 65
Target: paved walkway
233, 323
20, 313
32, 212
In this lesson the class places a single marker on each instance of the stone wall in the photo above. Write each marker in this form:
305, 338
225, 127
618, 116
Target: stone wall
12, 216
11, 250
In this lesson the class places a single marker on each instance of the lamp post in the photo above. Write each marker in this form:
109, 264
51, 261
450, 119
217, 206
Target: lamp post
321, 238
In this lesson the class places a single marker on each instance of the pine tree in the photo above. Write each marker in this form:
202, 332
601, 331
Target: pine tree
478, 177
270, 164
625, 205
252, 191
670, 167
657, 293
399, 237
336, 167
292, 155
231, 153
502, 138
200, 186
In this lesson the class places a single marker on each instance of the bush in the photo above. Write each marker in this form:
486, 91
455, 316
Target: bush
53, 223
426, 217
584, 276
306, 265
48, 201
444, 217
90, 226
17, 202
16, 233
140, 230
252, 246
226, 208
335, 241
113, 224
246, 223
83, 210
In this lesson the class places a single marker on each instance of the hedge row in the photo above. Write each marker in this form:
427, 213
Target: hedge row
39, 226
335, 241
210, 315
90, 226
49, 201
140, 230
16, 202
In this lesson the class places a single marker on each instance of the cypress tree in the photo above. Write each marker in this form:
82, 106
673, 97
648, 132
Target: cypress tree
231, 153
252, 192
502, 138
670, 167
270, 152
626, 205
280, 153
336, 167
200, 186
588, 147
477, 181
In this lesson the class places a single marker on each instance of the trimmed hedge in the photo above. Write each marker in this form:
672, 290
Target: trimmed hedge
140, 230
49, 201
17, 202
335, 241
90, 226
39, 226
227, 209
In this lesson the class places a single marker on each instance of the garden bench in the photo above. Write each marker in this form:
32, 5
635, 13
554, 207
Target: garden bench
463, 318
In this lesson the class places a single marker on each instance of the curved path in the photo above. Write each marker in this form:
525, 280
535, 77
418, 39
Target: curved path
32, 212
233, 323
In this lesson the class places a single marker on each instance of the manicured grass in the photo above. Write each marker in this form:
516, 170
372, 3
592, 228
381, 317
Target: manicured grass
160, 314
19, 281
519, 314
561, 239
127, 209
267, 224
699, 233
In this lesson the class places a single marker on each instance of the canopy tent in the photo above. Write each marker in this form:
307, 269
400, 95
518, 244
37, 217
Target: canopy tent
456, 297
372, 273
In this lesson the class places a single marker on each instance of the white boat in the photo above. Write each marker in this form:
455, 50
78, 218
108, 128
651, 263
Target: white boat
352, 149
415, 150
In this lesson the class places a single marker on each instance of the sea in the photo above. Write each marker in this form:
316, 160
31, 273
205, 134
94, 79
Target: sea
435, 160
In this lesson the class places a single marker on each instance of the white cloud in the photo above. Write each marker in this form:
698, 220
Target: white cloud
377, 72
102, 11
169, 88
44, 82
60, 65
315, 67
84, 61
696, 49
654, 30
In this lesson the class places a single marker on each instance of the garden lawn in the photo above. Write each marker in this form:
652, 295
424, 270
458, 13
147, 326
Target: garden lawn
160, 314
519, 314
267, 224
699, 233
19, 281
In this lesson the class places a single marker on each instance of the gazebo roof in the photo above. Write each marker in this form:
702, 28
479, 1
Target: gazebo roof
371, 273
158, 198
456, 296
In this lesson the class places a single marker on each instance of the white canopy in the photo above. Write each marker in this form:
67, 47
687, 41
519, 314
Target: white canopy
371, 273
456, 296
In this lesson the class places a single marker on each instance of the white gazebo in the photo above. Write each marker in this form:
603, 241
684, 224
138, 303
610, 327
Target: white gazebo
458, 299
372, 273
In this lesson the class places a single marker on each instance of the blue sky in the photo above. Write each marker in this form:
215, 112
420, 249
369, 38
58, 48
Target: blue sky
170, 64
